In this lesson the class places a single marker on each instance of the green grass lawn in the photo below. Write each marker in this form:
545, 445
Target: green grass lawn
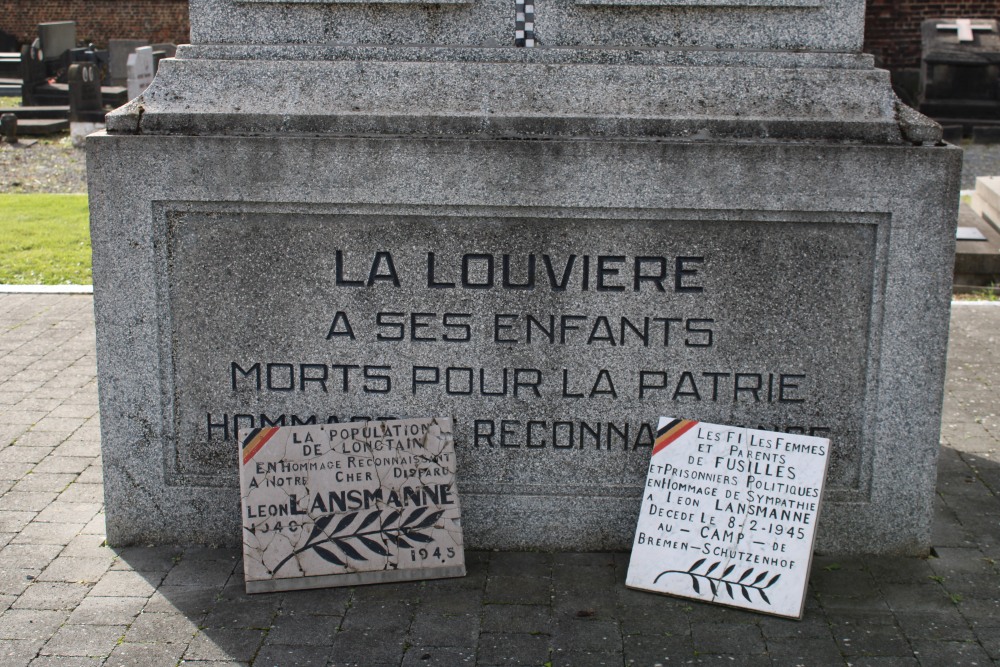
44, 240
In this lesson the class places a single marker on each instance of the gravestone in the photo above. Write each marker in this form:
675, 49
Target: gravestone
57, 37
86, 106
118, 52
85, 103
33, 72
960, 73
331, 212
141, 68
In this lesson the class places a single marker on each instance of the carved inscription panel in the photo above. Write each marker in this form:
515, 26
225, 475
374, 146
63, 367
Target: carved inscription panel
555, 342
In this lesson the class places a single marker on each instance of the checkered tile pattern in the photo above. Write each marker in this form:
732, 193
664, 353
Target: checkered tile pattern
524, 23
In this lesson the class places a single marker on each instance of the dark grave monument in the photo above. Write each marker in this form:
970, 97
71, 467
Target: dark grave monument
554, 230
85, 104
55, 39
960, 73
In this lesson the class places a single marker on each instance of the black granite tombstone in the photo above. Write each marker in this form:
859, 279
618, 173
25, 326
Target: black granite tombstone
960, 72
85, 93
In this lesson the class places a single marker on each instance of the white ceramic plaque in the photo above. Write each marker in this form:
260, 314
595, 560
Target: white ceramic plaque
352, 503
729, 515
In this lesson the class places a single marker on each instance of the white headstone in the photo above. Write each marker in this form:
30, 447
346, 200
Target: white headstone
729, 515
347, 504
140, 71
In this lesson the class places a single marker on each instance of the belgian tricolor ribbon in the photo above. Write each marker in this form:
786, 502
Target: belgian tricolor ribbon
253, 442
670, 432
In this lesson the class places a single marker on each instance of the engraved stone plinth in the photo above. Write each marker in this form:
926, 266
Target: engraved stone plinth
717, 210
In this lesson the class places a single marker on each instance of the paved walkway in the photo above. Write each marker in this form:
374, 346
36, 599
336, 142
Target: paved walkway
68, 600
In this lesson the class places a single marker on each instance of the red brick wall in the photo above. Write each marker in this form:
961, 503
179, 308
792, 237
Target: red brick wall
892, 27
98, 21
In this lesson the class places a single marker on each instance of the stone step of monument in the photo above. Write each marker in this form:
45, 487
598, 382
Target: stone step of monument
36, 127
977, 262
24, 113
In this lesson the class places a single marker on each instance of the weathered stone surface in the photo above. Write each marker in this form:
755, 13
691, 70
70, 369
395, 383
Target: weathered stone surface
830, 261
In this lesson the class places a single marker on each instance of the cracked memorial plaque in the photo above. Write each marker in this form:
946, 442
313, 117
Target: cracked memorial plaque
729, 516
350, 503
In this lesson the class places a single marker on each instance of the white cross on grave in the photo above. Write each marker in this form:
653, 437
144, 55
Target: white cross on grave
965, 28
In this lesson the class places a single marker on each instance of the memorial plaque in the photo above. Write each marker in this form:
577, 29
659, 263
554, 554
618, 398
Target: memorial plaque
729, 516
355, 503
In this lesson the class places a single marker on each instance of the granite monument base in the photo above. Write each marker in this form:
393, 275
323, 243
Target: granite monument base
556, 297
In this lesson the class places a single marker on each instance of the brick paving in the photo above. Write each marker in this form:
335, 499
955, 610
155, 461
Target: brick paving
66, 599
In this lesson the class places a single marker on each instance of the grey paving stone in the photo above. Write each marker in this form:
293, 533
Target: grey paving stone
26, 501
588, 635
23, 454
157, 628
519, 564
319, 602
956, 654
239, 614
438, 656
379, 615
65, 661
884, 661
83, 493
292, 656
47, 533
989, 639
921, 597
501, 648
585, 659
52, 596
88, 546
944, 625
195, 572
194, 602
518, 590
106, 611
355, 646
28, 556
303, 630
71, 569
871, 640
30, 624
517, 618
146, 559
809, 651
224, 644
813, 626
14, 582
952, 561
145, 655
18, 652
66, 512
451, 600
735, 638
127, 584
454, 630
887, 570
84, 640
13, 522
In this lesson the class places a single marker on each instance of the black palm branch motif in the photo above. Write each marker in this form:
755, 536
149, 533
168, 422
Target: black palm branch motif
724, 582
348, 543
